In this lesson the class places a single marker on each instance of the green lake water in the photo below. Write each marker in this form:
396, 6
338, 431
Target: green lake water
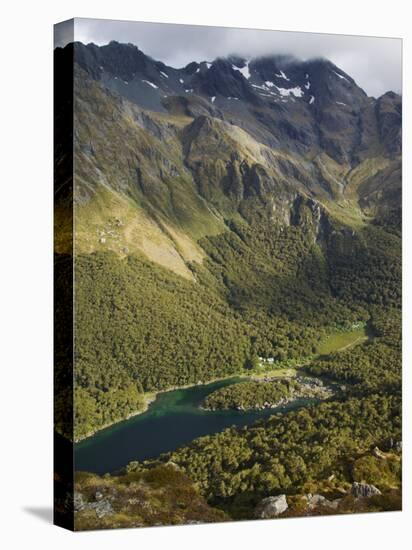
175, 419
172, 420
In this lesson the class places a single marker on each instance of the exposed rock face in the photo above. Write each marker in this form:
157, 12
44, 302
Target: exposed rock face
314, 501
101, 505
389, 113
393, 445
319, 501
271, 507
363, 490
103, 508
273, 136
142, 497
283, 102
78, 501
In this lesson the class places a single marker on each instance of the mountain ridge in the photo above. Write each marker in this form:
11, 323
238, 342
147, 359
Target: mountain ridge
177, 175
280, 109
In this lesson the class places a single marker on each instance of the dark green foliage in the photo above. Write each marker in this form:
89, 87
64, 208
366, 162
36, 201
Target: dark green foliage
142, 328
366, 266
374, 366
249, 395
377, 471
152, 327
278, 279
63, 344
263, 289
287, 451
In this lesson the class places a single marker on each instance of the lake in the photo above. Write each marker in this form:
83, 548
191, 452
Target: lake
172, 420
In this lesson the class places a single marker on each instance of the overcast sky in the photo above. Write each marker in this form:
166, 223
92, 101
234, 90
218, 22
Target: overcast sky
375, 63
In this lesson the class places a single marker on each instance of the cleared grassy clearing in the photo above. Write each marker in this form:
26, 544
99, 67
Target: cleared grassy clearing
342, 340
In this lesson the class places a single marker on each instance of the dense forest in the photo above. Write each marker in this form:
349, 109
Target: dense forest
374, 366
326, 447
321, 448
251, 394
266, 393
263, 290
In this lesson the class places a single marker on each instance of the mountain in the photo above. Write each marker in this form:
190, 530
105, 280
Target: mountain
272, 126
228, 209
283, 102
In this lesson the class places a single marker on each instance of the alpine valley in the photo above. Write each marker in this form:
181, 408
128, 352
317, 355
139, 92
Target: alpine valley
236, 221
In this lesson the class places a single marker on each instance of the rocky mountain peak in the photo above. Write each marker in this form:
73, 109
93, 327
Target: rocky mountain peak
291, 105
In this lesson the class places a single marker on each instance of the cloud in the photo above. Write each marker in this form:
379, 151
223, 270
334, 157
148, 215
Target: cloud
63, 33
375, 63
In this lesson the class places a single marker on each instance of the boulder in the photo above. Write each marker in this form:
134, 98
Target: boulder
271, 507
314, 501
393, 445
334, 504
102, 507
319, 501
363, 490
378, 453
78, 501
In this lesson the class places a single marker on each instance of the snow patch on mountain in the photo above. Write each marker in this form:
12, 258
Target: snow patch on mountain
341, 76
281, 74
286, 92
244, 70
150, 83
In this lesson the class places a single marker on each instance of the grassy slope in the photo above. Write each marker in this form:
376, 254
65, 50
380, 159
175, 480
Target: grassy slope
159, 496
341, 340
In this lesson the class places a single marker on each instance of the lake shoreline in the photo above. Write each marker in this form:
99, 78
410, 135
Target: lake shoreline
286, 371
174, 420
150, 397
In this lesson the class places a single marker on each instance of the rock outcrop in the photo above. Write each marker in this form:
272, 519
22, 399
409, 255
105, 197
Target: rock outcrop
102, 506
364, 490
271, 507
319, 501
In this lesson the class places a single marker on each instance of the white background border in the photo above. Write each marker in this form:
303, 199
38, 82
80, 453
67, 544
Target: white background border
26, 272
